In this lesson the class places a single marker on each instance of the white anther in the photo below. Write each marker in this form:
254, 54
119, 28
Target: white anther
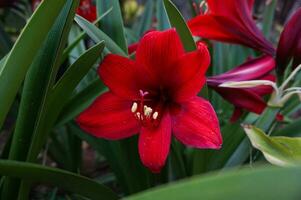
134, 107
155, 115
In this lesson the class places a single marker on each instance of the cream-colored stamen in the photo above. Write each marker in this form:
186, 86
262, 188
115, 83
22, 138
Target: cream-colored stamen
147, 111
155, 115
134, 107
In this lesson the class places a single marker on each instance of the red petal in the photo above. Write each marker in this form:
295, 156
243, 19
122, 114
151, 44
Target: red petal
154, 144
236, 115
242, 98
188, 76
159, 51
197, 125
123, 76
289, 41
109, 117
231, 22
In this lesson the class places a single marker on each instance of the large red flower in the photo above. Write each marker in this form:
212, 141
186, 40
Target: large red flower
231, 21
248, 98
155, 95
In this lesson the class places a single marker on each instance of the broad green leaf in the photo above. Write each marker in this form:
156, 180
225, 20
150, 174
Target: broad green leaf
178, 21
112, 24
80, 101
24, 51
282, 151
60, 178
293, 129
145, 22
265, 183
97, 35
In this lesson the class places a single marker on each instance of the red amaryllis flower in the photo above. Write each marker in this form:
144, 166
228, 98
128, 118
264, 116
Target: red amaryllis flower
87, 10
231, 21
249, 98
290, 43
155, 95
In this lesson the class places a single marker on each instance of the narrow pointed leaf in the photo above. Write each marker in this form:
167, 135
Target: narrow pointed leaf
97, 35
64, 179
177, 20
112, 24
18, 61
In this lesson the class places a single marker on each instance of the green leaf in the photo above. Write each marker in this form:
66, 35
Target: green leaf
178, 21
112, 24
161, 15
35, 91
265, 183
282, 151
97, 35
268, 17
80, 101
64, 179
18, 61
60, 94
123, 159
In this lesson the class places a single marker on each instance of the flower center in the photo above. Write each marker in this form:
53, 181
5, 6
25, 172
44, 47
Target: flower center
145, 111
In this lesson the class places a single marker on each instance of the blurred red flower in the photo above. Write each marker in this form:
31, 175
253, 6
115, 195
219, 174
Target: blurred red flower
156, 95
86, 9
289, 45
231, 21
249, 98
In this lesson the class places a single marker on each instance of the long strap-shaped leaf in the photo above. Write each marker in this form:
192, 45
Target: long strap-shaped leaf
112, 24
177, 21
61, 178
265, 183
24, 51
97, 35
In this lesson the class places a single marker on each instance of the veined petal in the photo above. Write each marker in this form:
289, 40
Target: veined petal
154, 144
109, 117
188, 76
158, 51
123, 77
231, 22
196, 124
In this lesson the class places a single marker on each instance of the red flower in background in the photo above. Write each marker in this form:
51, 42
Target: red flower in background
156, 95
5, 3
86, 9
231, 21
290, 43
250, 98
